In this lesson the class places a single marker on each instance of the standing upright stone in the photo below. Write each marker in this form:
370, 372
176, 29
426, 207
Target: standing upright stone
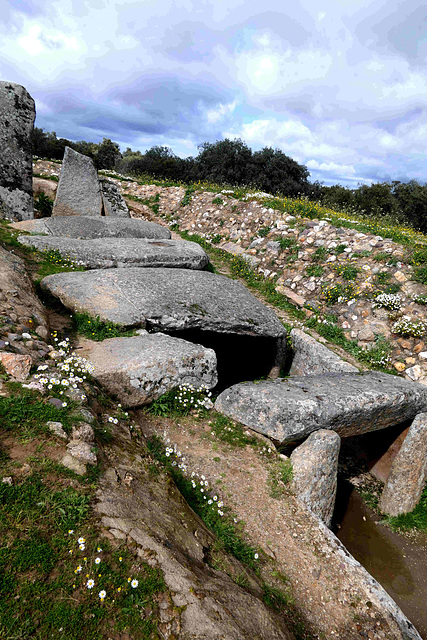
408, 473
113, 201
79, 192
315, 465
17, 114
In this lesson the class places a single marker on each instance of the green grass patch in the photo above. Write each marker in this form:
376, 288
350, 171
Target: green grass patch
232, 433
417, 519
26, 413
97, 329
315, 270
45, 575
180, 402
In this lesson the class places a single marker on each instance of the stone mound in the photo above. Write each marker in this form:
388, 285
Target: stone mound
287, 410
87, 227
123, 252
113, 203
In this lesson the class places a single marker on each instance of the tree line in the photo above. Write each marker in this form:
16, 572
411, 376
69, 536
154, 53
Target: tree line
232, 162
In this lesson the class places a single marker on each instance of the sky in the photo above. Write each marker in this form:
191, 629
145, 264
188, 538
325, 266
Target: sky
340, 86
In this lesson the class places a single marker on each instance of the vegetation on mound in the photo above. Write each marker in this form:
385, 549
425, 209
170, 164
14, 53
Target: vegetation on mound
97, 329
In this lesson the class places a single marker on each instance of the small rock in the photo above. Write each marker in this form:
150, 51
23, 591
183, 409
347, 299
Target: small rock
56, 402
75, 465
400, 277
16, 365
57, 429
83, 432
414, 373
82, 451
8, 480
42, 332
399, 366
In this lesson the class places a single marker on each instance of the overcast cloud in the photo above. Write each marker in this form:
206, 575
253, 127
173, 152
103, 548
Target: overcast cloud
339, 86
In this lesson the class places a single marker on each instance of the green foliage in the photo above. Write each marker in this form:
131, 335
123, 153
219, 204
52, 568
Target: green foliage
288, 244
231, 432
218, 201
263, 231
339, 293
181, 401
51, 261
44, 205
97, 329
416, 519
320, 254
315, 270
420, 275
216, 239
347, 272
382, 277
187, 197
26, 414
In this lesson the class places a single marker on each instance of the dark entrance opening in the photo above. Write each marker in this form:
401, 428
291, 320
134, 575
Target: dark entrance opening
240, 358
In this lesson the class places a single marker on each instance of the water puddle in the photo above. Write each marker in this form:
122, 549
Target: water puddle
399, 564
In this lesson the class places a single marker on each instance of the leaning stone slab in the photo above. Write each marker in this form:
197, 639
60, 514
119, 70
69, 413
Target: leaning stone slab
17, 114
408, 473
87, 227
112, 200
166, 299
315, 465
311, 357
142, 368
104, 253
287, 410
78, 192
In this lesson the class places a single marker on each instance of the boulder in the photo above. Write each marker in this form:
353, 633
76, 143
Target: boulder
78, 192
47, 187
287, 410
113, 202
17, 115
166, 299
86, 227
408, 473
16, 365
311, 357
315, 465
105, 253
142, 368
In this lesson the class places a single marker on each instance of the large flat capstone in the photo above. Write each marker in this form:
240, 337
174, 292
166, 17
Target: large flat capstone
142, 368
88, 227
79, 191
287, 410
166, 299
17, 114
123, 252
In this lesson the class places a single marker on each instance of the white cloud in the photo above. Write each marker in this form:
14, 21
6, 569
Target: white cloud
215, 115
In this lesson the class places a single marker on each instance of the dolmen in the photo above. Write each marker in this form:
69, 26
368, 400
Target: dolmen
89, 227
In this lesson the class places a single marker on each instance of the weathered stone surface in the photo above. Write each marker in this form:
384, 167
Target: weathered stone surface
78, 192
74, 464
312, 358
82, 451
166, 299
113, 202
205, 603
84, 432
87, 227
16, 365
48, 187
140, 369
286, 410
17, 114
382, 466
315, 465
408, 473
57, 429
105, 253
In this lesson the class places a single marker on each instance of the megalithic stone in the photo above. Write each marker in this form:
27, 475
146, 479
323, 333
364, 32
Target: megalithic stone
17, 115
79, 192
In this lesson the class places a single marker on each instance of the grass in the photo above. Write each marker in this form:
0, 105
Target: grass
417, 519
230, 432
97, 329
180, 402
44, 594
26, 412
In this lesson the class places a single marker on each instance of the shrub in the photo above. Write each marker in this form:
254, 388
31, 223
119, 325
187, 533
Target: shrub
388, 301
407, 327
